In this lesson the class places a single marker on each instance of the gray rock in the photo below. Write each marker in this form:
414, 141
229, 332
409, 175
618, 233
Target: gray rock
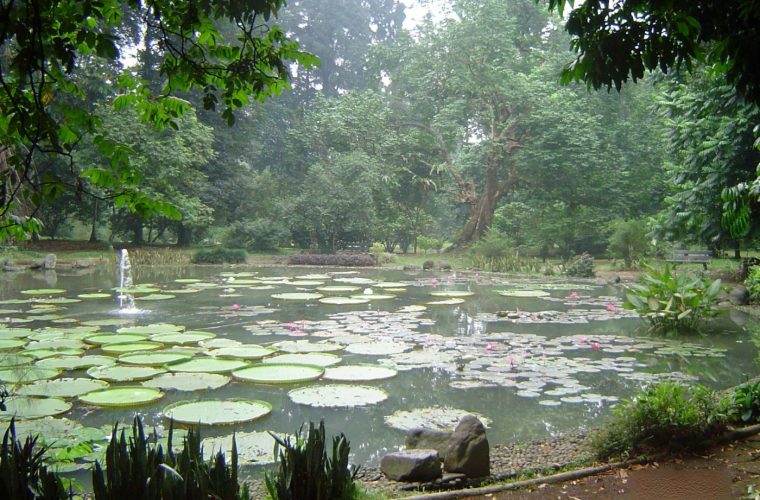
428, 439
739, 295
412, 465
444, 265
50, 260
412, 267
428, 265
82, 264
468, 451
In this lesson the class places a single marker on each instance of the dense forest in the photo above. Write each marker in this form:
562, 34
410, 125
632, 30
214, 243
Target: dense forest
455, 132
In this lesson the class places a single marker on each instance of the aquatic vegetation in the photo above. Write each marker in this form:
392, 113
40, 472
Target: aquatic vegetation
338, 395
438, 418
217, 412
273, 373
744, 403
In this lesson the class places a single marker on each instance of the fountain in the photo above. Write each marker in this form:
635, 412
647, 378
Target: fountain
126, 300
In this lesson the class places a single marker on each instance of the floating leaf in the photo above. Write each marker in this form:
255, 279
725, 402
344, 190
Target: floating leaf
412, 309
49, 353
217, 412
7, 344
378, 348
153, 358
297, 296
390, 284
446, 302
452, 293
318, 359
244, 351
439, 418
27, 373
118, 373
26, 407
187, 280
523, 293
76, 362
188, 381
94, 296
256, 446
305, 346
338, 289
359, 373
366, 297
62, 387
152, 329
179, 338
344, 301
208, 365
338, 395
44, 291
122, 396
130, 347
279, 374
114, 338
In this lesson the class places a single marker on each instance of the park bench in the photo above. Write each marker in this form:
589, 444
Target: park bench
680, 256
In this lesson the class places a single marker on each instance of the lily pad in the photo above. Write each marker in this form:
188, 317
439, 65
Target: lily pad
452, 293
359, 373
130, 347
50, 353
119, 373
217, 412
56, 300
94, 296
439, 418
390, 284
153, 358
187, 280
523, 293
367, 297
27, 408
256, 446
412, 309
297, 296
272, 373
314, 277
188, 381
180, 338
157, 296
446, 302
152, 329
208, 365
315, 358
76, 362
27, 373
305, 346
7, 344
344, 301
137, 289
356, 281
114, 338
62, 387
122, 396
338, 288
243, 351
338, 395
378, 348
44, 291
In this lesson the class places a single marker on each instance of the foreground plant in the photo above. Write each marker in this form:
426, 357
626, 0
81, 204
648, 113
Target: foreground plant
744, 403
668, 417
306, 472
673, 301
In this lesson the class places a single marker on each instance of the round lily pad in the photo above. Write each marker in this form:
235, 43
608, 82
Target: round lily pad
305, 346
373, 296
188, 381
297, 296
208, 365
6, 344
130, 347
243, 351
355, 281
44, 291
27, 407
390, 284
523, 293
217, 412
187, 280
314, 277
119, 373
76, 362
114, 338
446, 302
151, 329
178, 338
62, 387
378, 348
306, 283
137, 289
344, 301
316, 358
50, 353
94, 296
338, 288
157, 296
122, 396
27, 373
359, 373
338, 395
152, 358
452, 293
15, 332
272, 373
256, 446
440, 418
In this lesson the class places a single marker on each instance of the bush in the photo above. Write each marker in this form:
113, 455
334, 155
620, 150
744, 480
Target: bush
258, 235
744, 403
494, 245
426, 243
673, 302
220, 256
753, 284
629, 241
305, 472
580, 266
339, 259
665, 417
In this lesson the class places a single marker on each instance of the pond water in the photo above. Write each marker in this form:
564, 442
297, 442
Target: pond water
534, 356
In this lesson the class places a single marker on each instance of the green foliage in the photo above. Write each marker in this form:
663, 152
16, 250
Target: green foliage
22, 472
138, 467
306, 471
258, 235
580, 266
744, 403
426, 243
220, 256
753, 284
673, 301
665, 417
493, 246
629, 240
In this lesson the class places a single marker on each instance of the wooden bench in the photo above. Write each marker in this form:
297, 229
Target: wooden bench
691, 257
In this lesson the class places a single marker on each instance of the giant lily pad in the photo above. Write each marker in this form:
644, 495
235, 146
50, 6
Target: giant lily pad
279, 374
256, 446
15, 332
316, 358
44, 291
56, 300
188, 381
452, 293
152, 329
123, 373
114, 338
338, 395
25, 408
122, 396
130, 347
304, 346
338, 288
359, 373
208, 365
7, 344
344, 301
153, 358
76, 362
365, 297
355, 281
137, 289
157, 296
243, 351
297, 296
94, 296
27, 373
391, 284
188, 337
445, 302
217, 412
440, 418
523, 293
62, 387
378, 348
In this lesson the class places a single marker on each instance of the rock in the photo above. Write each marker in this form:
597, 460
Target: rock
428, 439
428, 265
82, 264
419, 465
739, 295
468, 451
50, 261
411, 267
444, 265
502, 314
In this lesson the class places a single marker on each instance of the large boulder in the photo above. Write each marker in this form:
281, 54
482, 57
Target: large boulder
739, 295
50, 261
420, 465
468, 451
421, 438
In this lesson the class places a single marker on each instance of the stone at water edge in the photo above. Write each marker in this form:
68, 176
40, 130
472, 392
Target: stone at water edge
739, 295
412, 465
421, 438
468, 450
50, 260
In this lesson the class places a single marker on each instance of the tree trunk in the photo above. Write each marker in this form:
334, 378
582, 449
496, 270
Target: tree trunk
184, 236
137, 233
94, 223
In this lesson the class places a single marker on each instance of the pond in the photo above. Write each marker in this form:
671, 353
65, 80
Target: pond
533, 356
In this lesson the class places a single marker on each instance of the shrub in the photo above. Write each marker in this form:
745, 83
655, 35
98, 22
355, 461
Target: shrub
137, 467
426, 243
306, 472
665, 417
258, 235
22, 472
220, 256
629, 240
580, 266
494, 245
744, 403
673, 302
339, 259
753, 284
